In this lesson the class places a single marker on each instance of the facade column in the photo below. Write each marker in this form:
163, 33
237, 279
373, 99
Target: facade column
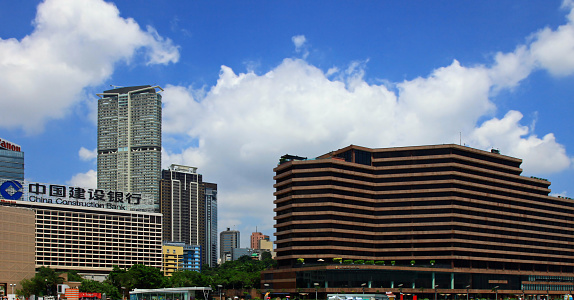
452, 281
392, 284
433, 281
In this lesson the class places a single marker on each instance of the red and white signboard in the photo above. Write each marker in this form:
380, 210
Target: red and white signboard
6, 145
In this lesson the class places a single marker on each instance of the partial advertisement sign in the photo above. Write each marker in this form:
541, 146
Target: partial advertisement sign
6, 145
14, 190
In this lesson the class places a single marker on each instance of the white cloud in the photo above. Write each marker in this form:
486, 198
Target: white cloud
87, 155
247, 121
75, 44
86, 180
547, 49
539, 155
300, 42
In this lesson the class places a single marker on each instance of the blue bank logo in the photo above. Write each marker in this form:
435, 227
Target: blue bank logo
11, 190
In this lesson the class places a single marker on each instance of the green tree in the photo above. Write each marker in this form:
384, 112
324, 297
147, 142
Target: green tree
44, 282
74, 276
92, 286
144, 277
185, 278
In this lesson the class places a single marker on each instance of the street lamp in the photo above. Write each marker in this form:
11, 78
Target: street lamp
123, 292
363, 286
219, 286
496, 291
316, 287
467, 287
267, 288
435, 291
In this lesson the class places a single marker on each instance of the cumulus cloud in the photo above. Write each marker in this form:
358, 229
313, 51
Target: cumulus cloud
246, 121
540, 155
74, 44
299, 42
87, 155
547, 49
86, 180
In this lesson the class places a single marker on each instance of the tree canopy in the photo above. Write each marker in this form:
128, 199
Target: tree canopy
243, 273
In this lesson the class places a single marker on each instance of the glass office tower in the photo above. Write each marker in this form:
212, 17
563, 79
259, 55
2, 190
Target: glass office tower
11, 161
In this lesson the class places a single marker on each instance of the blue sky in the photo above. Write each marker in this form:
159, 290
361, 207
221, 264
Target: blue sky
248, 81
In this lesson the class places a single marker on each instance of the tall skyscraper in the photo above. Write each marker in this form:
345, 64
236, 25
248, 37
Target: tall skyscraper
228, 240
211, 223
129, 140
190, 210
11, 161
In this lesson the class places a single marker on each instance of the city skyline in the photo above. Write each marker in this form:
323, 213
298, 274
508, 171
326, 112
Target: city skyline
248, 82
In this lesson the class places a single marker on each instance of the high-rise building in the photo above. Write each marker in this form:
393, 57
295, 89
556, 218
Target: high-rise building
228, 239
190, 209
442, 218
11, 161
211, 223
256, 237
129, 140
75, 228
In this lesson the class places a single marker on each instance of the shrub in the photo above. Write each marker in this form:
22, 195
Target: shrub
348, 261
392, 262
337, 260
369, 262
359, 262
412, 262
301, 260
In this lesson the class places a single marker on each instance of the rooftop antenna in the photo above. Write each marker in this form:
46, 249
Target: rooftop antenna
460, 138
116, 86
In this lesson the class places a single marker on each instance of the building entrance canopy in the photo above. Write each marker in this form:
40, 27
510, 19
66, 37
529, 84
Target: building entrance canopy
182, 293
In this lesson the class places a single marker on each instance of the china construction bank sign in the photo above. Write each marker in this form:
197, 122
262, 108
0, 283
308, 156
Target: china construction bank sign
15, 190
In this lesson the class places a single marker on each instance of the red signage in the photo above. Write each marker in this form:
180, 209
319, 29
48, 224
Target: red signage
4, 144
90, 295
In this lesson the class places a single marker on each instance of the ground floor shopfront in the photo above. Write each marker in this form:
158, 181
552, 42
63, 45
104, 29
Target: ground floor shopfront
417, 283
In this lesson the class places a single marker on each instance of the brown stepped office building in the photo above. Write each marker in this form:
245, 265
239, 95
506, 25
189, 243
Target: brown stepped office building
422, 220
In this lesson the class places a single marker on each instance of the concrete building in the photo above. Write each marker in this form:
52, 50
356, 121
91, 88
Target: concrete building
267, 245
16, 247
256, 237
129, 140
419, 220
178, 256
190, 209
211, 223
236, 253
83, 229
228, 239
11, 161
